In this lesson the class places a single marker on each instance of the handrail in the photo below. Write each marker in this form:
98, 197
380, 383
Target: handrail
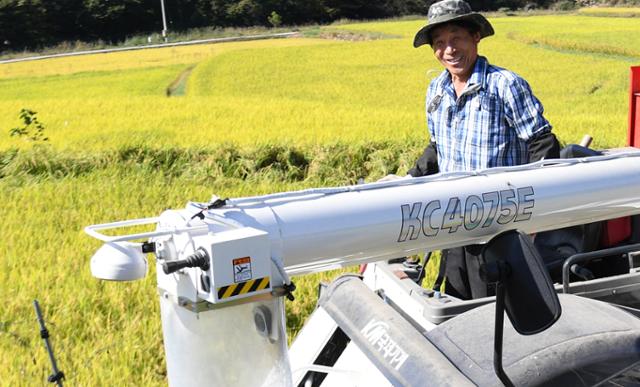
583, 257
92, 230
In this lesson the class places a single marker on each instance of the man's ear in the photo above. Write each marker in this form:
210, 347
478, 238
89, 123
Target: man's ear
477, 37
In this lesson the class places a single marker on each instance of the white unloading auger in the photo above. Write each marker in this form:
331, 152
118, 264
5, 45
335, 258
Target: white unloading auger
235, 255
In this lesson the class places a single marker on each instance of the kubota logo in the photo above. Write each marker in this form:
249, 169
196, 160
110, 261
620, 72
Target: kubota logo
377, 333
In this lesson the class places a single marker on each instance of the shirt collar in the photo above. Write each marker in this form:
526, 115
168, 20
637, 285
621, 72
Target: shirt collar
476, 81
479, 74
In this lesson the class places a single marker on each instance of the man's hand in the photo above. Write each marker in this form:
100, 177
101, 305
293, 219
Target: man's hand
427, 164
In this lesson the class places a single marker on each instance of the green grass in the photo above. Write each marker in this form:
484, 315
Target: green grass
255, 117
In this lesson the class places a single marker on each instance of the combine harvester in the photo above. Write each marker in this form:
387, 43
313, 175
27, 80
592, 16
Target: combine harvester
223, 270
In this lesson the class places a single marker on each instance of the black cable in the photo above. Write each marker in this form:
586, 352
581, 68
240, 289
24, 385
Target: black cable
289, 288
213, 205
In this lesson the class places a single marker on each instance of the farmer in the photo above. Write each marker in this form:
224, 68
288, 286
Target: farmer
479, 116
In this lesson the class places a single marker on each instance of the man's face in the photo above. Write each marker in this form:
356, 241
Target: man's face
456, 48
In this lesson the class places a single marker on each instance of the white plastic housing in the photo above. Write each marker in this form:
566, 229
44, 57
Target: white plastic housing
119, 261
241, 264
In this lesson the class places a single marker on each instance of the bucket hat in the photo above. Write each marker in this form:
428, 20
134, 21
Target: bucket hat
451, 10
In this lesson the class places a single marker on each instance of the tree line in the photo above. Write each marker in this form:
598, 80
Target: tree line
33, 24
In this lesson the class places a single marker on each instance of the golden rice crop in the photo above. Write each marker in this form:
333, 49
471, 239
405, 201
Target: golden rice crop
299, 91
103, 333
610, 11
595, 35
136, 59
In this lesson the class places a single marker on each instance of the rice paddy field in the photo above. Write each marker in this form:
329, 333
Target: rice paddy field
133, 133
610, 11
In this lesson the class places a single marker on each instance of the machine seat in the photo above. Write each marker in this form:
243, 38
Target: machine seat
590, 342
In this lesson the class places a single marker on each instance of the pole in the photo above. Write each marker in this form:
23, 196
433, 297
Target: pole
57, 376
164, 22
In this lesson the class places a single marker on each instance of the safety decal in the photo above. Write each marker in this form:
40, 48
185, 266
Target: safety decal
242, 269
244, 287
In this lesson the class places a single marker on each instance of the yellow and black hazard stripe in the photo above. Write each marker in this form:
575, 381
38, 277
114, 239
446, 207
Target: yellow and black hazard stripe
243, 288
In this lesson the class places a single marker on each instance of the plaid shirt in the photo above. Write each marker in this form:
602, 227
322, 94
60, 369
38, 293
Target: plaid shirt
488, 125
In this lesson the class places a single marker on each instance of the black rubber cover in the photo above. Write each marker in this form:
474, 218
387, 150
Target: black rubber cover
401, 353
590, 342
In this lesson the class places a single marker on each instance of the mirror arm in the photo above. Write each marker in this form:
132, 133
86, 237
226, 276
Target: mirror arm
497, 272
512, 262
497, 336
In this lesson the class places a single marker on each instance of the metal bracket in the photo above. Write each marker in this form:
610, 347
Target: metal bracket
203, 306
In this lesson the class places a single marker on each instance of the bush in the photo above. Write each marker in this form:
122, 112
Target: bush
564, 5
274, 19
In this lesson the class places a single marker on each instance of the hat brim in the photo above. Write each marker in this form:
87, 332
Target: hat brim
424, 35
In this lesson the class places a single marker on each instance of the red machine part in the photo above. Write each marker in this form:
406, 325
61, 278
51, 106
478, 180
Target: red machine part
619, 230
633, 138
616, 231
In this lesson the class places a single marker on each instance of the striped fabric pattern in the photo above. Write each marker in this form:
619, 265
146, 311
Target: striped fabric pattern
489, 124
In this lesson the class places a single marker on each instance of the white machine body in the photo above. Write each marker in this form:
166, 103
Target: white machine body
255, 243
318, 229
